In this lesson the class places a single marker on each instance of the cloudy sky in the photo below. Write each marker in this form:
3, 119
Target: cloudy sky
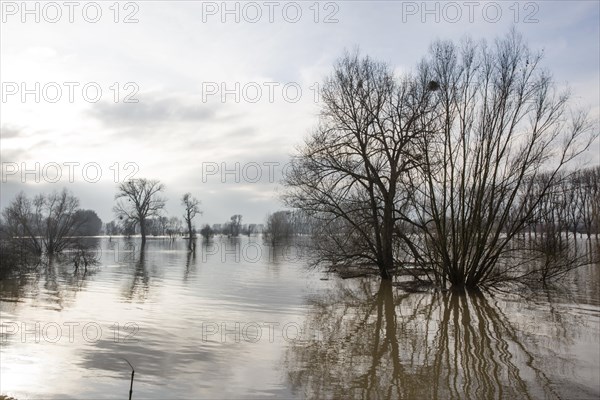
211, 97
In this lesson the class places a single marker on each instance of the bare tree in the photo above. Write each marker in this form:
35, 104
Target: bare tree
595, 198
501, 123
587, 189
349, 173
174, 227
91, 224
441, 169
235, 225
278, 227
138, 199
207, 232
192, 208
45, 224
572, 201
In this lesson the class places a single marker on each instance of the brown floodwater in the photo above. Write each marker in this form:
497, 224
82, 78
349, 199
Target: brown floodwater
243, 320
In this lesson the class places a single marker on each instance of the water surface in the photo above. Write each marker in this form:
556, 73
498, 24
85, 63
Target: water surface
238, 319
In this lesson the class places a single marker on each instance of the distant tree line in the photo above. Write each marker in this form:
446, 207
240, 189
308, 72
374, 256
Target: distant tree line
158, 226
571, 206
232, 228
48, 224
282, 225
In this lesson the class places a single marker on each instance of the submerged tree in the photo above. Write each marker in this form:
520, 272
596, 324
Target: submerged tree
235, 225
440, 169
46, 223
207, 232
500, 125
138, 199
278, 227
350, 172
192, 208
91, 224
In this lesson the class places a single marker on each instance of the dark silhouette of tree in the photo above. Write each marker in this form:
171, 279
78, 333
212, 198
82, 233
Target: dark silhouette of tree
207, 232
278, 227
174, 227
441, 169
219, 229
48, 223
250, 229
503, 133
235, 225
112, 228
90, 224
349, 172
138, 199
192, 208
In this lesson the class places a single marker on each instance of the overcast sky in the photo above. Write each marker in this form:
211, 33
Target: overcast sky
222, 86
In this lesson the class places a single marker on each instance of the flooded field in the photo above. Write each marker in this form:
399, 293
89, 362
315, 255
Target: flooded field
243, 320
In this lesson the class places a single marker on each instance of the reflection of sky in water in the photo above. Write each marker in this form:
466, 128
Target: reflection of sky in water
171, 296
369, 343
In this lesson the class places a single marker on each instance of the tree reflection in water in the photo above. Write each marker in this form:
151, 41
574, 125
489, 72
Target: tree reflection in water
380, 343
139, 285
52, 281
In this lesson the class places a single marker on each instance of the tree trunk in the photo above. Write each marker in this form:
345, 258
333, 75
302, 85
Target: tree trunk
143, 230
385, 274
387, 250
190, 233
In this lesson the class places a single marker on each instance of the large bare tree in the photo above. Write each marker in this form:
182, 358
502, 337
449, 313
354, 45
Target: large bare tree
349, 173
139, 199
439, 169
501, 124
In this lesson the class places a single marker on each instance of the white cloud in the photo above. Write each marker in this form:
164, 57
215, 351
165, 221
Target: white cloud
171, 54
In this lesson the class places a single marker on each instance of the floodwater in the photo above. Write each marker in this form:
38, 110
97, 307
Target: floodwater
243, 320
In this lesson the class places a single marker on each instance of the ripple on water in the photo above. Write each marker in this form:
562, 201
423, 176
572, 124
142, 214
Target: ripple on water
173, 316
